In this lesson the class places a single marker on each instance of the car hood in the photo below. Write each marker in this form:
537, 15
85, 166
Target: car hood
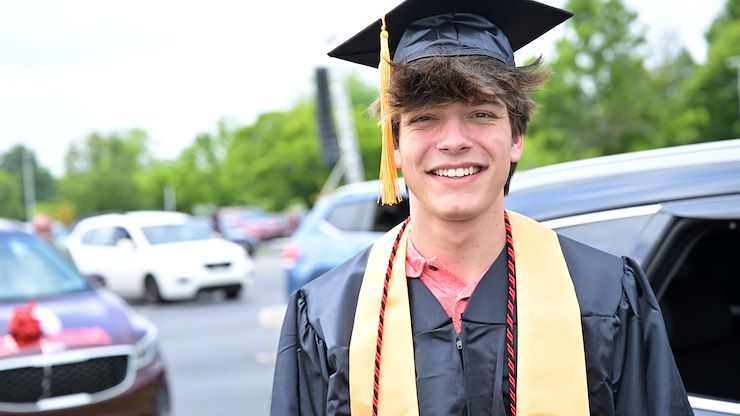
74, 320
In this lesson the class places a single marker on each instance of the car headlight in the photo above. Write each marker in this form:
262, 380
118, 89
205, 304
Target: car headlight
147, 348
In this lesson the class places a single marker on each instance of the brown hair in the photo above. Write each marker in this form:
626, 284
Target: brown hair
440, 80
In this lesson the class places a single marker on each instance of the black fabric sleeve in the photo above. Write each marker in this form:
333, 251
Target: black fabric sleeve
301, 373
646, 379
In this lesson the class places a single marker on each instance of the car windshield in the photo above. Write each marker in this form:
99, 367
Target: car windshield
172, 233
29, 268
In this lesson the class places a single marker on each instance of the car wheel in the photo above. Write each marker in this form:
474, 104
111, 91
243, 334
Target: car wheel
233, 293
251, 249
151, 291
162, 402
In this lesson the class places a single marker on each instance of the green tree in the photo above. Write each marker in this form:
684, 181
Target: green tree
275, 162
152, 181
676, 119
714, 86
102, 174
11, 197
45, 185
197, 175
602, 98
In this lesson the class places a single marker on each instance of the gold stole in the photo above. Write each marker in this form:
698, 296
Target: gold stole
551, 366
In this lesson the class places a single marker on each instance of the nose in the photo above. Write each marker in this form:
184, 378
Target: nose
455, 137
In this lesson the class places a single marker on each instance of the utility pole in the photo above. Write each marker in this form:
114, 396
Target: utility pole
734, 62
29, 183
348, 148
169, 197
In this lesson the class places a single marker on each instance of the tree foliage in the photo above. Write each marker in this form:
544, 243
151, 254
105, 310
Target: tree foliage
602, 97
714, 86
275, 162
197, 175
45, 186
101, 175
11, 198
12, 165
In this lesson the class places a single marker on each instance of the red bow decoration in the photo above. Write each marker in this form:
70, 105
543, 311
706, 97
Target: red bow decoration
23, 326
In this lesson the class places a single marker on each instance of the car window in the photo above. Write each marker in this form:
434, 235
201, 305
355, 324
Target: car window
170, 233
353, 216
106, 236
29, 268
120, 234
700, 302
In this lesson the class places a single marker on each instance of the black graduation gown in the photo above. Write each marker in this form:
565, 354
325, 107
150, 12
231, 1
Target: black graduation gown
629, 364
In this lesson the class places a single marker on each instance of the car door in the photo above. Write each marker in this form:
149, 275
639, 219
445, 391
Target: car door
695, 271
109, 252
690, 251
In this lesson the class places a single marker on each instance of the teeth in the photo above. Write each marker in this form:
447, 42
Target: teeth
456, 173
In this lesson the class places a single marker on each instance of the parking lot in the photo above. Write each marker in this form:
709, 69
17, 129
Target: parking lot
218, 354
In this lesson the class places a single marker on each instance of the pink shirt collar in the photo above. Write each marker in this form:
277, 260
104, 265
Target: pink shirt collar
451, 292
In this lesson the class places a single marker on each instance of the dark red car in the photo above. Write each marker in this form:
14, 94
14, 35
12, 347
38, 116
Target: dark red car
67, 347
258, 223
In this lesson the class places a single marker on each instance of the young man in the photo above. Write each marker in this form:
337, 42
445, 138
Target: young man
466, 309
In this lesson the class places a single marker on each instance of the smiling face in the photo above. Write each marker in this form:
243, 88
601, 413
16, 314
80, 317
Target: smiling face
455, 158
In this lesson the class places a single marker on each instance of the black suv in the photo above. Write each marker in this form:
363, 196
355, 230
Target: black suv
677, 212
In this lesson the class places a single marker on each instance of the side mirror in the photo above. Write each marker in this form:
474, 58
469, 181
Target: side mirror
95, 280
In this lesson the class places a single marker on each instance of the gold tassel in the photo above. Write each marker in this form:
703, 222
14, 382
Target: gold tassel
389, 193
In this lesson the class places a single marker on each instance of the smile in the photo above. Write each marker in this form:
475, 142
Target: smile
456, 173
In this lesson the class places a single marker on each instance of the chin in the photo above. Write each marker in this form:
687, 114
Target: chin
457, 212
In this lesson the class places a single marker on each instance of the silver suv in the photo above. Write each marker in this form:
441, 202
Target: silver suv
676, 211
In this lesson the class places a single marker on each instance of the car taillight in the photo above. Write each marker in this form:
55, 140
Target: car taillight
290, 255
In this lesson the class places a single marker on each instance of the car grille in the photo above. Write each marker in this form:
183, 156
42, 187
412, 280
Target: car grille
217, 266
26, 385
21, 385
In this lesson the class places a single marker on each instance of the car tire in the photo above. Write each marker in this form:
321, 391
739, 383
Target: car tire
251, 249
152, 295
233, 294
162, 402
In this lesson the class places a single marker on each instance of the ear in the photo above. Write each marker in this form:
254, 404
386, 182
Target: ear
517, 146
397, 157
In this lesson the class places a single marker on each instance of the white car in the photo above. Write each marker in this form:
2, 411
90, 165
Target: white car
158, 255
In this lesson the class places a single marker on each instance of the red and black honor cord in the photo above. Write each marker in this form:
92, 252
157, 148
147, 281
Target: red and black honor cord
379, 342
510, 313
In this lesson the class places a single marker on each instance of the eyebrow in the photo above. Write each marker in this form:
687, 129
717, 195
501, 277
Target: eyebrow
497, 102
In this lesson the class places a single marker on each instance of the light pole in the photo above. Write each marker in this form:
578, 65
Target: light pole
348, 148
29, 183
734, 62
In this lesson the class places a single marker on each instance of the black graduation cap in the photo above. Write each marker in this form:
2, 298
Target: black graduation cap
453, 27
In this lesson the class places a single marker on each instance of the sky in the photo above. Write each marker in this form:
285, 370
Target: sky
175, 68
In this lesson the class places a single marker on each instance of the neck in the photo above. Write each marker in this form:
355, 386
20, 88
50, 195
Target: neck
466, 248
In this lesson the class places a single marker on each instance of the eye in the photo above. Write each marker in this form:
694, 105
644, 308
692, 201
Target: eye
420, 118
484, 114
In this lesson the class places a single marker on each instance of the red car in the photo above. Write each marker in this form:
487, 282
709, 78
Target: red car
260, 224
67, 347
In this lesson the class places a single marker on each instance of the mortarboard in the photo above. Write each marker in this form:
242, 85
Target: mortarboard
418, 29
